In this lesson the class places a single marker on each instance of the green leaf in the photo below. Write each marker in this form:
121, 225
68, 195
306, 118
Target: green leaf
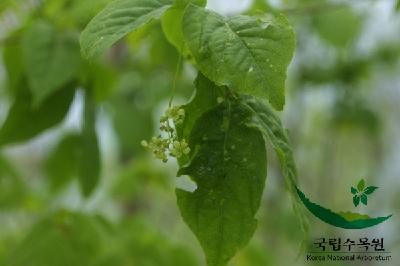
229, 166
24, 122
184, 3
172, 27
247, 54
259, 6
353, 190
12, 188
126, 118
77, 155
351, 216
14, 66
117, 20
63, 161
64, 239
102, 79
364, 199
205, 97
338, 27
136, 175
5, 4
72, 13
369, 190
146, 246
356, 200
172, 23
270, 125
361, 185
51, 59
89, 173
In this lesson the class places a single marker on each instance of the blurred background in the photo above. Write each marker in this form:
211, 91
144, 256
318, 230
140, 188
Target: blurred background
342, 113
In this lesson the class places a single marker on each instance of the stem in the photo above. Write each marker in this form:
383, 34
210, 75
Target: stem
178, 67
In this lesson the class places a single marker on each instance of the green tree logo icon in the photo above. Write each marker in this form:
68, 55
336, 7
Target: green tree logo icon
361, 193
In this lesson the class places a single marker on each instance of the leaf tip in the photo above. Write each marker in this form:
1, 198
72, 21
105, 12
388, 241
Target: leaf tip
361, 185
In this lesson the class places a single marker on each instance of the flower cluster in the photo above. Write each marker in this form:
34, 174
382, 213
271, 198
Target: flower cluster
169, 144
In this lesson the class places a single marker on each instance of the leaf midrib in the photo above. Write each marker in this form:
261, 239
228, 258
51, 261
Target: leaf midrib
244, 44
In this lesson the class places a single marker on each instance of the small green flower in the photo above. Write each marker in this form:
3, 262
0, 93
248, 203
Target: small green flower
144, 143
179, 148
163, 119
361, 193
168, 142
175, 113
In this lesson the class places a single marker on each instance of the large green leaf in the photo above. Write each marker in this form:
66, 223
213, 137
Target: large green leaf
24, 122
270, 125
51, 59
228, 164
248, 54
89, 168
118, 19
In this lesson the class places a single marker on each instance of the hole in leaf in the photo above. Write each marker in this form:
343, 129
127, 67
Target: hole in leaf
186, 183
